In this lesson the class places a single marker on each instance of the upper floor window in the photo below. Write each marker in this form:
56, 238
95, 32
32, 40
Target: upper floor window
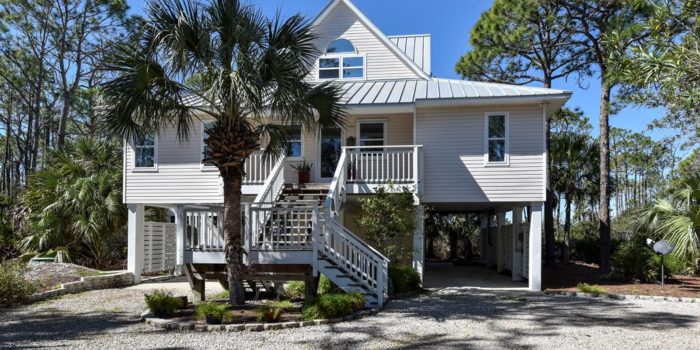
497, 138
341, 61
145, 151
372, 134
206, 126
294, 142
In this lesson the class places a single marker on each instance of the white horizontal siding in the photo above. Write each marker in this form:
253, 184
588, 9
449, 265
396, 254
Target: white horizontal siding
381, 63
179, 178
454, 170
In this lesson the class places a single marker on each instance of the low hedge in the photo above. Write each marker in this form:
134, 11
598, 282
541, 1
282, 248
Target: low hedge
404, 278
162, 303
332, 306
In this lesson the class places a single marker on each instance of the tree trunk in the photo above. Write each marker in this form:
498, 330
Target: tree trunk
604, 205
566, 253
549, 208
233, 180
430, 254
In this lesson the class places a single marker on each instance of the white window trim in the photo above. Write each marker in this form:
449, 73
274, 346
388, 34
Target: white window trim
506, 160
371, 121
294, 159
341, 56
202, 166
152, 169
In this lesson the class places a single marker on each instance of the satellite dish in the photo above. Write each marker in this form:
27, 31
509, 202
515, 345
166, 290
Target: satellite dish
663, 247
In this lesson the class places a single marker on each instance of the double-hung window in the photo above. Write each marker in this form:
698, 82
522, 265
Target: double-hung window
372, 134
145, 151
496, 138
294, 143
206, 126
341, 61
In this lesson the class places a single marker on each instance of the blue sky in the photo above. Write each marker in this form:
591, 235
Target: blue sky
450, 22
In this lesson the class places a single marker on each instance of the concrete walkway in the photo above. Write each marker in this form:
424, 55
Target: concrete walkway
447, 275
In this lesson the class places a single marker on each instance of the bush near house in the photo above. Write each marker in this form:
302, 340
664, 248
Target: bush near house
162, 303
634, 262
332, 306
295, 290
14, 286
213, 312
403, 278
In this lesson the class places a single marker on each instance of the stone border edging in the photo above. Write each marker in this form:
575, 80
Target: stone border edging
118, 279
166, 324
622, 296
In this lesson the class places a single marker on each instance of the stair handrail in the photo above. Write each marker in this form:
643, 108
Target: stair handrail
265, 199
335, 196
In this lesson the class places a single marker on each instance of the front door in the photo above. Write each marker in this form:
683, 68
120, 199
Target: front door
331, 140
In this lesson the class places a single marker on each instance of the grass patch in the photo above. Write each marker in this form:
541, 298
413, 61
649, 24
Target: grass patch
221, 295
595, 289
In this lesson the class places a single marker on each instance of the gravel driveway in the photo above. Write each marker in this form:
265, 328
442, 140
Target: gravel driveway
449, 318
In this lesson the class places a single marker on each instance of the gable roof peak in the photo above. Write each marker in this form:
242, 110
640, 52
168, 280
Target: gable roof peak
382, 37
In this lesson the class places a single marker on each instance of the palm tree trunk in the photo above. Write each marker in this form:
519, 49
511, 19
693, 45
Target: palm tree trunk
233, 180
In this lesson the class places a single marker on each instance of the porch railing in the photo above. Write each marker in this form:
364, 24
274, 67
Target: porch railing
371, 164
258, 168
277, 227
204, 230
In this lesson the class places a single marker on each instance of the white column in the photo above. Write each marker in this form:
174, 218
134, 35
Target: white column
484, 241
517, 255
419, 241
181, 223
535, 262
500, 256
135, 241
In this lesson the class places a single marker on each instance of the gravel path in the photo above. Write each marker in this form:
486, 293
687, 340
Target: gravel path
449, 318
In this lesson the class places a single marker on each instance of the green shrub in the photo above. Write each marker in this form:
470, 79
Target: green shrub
218, 312
635, 262
331, 306
295, 290
595, 289
14, 286
404, 278
162, 303
585, 242
326, 286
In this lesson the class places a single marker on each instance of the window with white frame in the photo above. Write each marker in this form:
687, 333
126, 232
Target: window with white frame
294, 149
371, 134
145, 151
206, 126
497, 138
341, 61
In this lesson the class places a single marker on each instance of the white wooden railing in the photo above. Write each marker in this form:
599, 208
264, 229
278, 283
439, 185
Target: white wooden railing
204, 230
336, 191
282, 227
258, 168
395, 164
272, 185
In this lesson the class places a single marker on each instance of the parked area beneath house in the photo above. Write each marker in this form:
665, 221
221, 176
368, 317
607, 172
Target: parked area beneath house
449, 275
448, 318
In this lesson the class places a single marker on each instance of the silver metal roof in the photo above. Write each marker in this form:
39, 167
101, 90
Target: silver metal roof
416, 47
410, 91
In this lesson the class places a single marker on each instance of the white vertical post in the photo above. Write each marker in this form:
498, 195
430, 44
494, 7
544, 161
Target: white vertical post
315, 235
135, 240
181, 225
419, 241
500, 258
517, 222
484, 241
247, 233
535, 262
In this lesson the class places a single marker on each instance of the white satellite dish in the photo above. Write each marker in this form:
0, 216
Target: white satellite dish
663, 247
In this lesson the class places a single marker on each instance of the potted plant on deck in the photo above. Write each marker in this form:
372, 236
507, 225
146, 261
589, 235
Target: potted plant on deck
303, 171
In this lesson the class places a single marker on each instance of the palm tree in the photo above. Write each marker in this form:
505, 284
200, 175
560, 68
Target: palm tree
574, 174
74, 203
221, 60
677, 219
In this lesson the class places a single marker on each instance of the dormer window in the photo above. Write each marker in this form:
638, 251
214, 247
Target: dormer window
341, 61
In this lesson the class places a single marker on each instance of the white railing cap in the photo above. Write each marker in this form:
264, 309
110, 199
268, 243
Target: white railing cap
384, 146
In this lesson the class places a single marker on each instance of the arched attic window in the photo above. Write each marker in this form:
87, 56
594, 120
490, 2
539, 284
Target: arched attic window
341, 61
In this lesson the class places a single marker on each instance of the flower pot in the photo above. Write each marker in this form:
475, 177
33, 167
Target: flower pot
358, 306
212, 320
304, 177
272, 316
